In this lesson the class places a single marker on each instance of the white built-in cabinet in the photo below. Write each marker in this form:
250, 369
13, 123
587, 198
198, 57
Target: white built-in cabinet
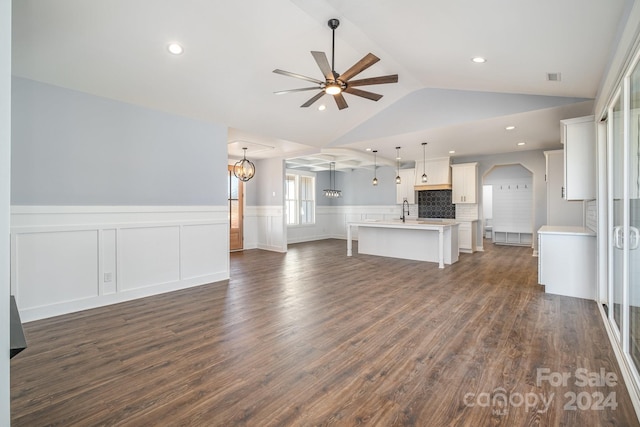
405, 189
438, 172
467, 236
579, 139
559, 210
567, 261
464, 177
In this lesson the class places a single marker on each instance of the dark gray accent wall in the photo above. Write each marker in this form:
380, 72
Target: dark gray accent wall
72, 148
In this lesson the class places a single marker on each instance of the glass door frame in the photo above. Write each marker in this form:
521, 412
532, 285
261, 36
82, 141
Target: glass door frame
623, 334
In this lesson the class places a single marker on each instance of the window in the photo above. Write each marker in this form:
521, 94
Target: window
300, 200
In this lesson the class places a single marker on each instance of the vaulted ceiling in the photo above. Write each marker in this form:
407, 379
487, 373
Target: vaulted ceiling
118, 49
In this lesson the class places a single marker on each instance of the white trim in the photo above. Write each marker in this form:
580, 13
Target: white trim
23, 209
190, 243
627, 374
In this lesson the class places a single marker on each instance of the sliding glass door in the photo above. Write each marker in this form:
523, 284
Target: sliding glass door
623, 151
633, 183
616, 210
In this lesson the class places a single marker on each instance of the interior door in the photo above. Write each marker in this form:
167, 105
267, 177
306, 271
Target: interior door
235, 191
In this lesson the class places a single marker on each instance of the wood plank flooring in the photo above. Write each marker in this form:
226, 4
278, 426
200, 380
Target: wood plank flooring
313, 337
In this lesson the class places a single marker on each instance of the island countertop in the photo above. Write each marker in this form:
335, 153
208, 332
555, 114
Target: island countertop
422, 240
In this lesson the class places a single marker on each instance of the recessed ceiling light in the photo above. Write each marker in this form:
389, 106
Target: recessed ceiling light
322, 107
479, 60
367, 149
175, 48
452, 152
510, 127
521, 143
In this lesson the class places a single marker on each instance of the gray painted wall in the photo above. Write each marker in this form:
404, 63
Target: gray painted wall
72, 148
534, 161
5, 180
500, 174
357, 189
266, 188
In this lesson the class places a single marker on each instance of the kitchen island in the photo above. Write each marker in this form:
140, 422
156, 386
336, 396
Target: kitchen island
431, 241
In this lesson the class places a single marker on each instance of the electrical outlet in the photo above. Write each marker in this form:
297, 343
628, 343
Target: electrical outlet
108, 277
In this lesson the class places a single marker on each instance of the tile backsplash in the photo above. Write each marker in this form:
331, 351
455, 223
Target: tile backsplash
435, 204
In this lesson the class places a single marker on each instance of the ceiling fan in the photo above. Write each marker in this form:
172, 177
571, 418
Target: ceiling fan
335, 84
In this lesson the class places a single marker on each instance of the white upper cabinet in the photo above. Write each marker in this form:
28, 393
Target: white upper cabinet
578, 137
405, 190
438, 173
465, 183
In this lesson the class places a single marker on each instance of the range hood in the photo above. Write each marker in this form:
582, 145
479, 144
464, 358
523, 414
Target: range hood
432, 187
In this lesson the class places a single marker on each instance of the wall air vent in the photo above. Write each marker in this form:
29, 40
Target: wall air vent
553, 77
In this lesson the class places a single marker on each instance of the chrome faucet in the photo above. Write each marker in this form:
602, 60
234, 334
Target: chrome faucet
404, 202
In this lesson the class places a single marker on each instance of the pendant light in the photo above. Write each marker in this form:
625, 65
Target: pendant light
331, 192
375, 178
424, 163
398, 180
244, 170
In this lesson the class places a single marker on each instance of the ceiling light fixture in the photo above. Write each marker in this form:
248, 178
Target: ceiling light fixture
175, 49
521, 143
244, 170
452, 151
424, 162
510, 128
331, 192
322, 107
398, 179
375, 167
479, 60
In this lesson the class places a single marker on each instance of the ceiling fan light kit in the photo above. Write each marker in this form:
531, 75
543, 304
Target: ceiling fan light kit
335, 84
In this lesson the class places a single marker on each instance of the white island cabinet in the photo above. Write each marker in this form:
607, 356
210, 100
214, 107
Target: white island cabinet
432, 241
567, 261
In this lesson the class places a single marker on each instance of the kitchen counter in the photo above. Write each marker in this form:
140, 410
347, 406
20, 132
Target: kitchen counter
566, 229
420, 240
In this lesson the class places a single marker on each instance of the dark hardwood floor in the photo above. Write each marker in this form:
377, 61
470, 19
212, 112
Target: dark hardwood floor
313, 337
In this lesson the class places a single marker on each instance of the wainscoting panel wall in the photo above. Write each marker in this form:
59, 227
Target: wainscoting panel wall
331, 221
264, 228
71, 258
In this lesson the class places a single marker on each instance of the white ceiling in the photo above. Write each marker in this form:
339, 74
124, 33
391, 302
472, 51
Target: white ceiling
117, 49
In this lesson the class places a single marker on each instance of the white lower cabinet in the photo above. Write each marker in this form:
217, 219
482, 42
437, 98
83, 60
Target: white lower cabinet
467, 236
567, 261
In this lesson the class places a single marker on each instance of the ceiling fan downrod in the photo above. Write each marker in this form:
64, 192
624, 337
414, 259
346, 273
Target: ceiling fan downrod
333, 24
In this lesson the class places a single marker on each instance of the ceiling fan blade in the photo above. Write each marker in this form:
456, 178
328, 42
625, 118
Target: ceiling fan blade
363, 93
323, 63
359, 66
340, 101
298, 76
314, 99
392, 78
280, 92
